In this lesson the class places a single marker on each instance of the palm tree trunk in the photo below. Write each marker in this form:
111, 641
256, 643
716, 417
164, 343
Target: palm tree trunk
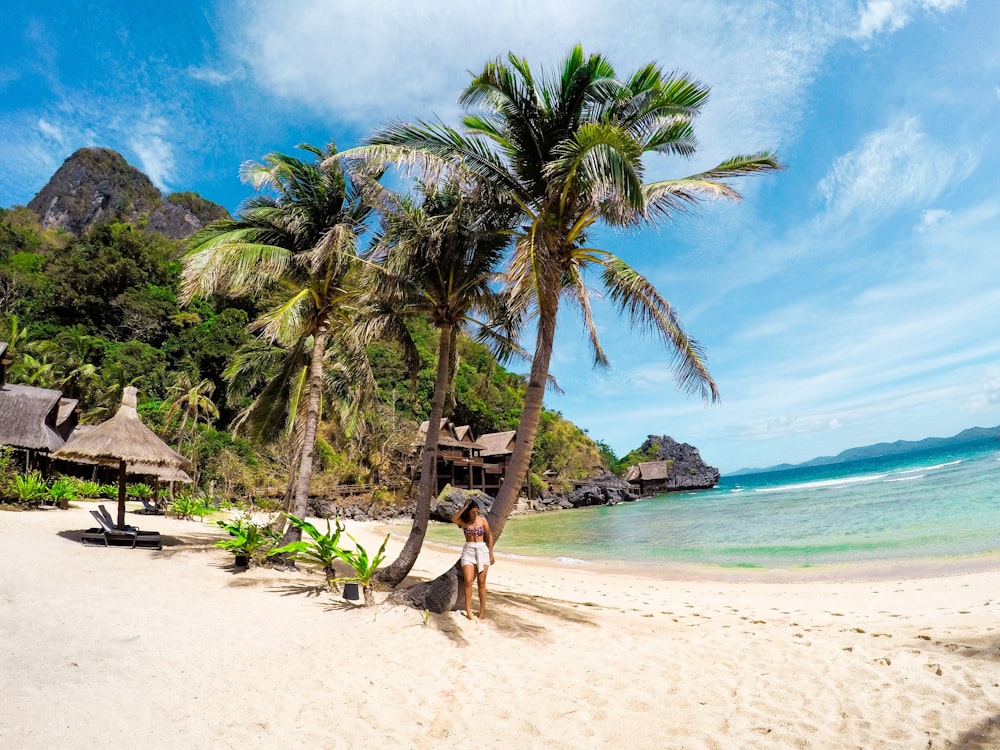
443, 593
309, 427
399, 569
527, 428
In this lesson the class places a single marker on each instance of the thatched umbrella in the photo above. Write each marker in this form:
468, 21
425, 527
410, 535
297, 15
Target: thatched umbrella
123, 441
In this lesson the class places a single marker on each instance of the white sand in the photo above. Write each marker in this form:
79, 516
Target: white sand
142, 649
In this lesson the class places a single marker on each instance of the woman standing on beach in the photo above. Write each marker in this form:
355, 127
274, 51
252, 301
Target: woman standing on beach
477, 554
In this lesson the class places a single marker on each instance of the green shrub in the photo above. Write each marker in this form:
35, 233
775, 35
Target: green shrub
62, 491
364, 567
186, 506
109, 491
320, 548
140, 491
29, 488
85, 488
247, 538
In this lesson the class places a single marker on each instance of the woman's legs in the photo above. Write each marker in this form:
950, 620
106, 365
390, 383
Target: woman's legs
469, 574
481, 579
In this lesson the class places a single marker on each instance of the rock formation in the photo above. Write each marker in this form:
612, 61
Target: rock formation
685, 468
97, 185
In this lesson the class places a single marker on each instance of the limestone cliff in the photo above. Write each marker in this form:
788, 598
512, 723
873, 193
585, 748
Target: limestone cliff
97, 185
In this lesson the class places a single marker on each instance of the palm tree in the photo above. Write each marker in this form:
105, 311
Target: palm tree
299, 246
567, 149
193, 401
439, 257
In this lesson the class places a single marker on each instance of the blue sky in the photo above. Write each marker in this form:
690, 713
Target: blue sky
853, 298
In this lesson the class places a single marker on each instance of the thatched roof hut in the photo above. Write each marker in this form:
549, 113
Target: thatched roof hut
498, 443
33, 420
123, 441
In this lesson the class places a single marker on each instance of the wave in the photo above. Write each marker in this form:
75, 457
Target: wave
907, 479
823, 483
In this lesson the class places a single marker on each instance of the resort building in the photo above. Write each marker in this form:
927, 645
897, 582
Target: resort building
33, 421
650, 477
466, 461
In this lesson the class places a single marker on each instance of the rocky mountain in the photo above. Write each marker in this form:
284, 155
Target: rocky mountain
97, 185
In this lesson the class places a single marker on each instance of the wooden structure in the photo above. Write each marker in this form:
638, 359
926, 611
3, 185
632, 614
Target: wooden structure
650, 477
467, 461
33, 421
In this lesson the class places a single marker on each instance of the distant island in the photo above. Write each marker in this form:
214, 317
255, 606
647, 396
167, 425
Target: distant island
883, 449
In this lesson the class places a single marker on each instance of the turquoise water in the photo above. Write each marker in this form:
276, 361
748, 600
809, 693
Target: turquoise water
928, 505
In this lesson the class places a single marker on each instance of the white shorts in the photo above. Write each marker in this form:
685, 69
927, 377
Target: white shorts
476, 554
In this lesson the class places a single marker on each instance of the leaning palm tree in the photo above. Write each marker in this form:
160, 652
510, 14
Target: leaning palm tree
438, 257
567, 149
296, 247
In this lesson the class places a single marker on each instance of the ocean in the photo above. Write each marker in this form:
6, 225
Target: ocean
932, 507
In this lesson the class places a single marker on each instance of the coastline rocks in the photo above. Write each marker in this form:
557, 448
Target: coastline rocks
604, 489
452, 499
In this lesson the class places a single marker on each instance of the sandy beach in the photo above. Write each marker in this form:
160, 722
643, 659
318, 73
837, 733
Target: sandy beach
103, 648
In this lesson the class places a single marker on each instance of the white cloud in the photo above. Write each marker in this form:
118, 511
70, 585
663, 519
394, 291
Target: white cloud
887, 16
988, 395
891, 169
931, 216
214, 77
154, 151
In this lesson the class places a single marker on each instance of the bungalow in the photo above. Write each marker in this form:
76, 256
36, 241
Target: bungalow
467, 461
33, 421
650, 477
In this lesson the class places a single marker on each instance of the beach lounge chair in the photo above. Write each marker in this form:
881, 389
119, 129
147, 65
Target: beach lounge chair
149, 508
110, 519
108, 536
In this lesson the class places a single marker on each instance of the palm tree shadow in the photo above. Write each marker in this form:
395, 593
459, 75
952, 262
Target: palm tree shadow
503, 614
311, 590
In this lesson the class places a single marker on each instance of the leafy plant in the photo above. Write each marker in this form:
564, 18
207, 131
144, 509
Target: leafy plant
246, 537
28, 488
364, 566
85, 488
320, 548
140, 491
109, 491
62, 491
186, 506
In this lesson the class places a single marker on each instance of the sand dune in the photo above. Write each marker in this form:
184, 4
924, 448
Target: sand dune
131, 648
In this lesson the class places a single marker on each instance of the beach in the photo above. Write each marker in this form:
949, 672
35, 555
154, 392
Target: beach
174, 648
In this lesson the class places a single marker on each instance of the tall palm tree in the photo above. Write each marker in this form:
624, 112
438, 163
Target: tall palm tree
438, 257
297, 245
567, 149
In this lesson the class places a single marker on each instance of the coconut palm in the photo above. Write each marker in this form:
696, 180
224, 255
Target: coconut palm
297, 248
438, 258
193, 402
567, 149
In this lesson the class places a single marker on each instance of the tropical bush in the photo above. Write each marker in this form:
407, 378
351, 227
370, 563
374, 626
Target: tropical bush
85, 488
109, 491
188, 506
321, 549
247, 538
28, 488
140, 491
62, 491
364, 566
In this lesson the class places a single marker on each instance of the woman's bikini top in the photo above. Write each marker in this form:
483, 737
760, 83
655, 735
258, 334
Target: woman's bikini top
473, 532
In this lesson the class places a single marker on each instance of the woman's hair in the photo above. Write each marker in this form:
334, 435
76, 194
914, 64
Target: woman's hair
467, 511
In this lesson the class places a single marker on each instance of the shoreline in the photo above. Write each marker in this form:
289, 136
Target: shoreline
188, 652
914, 568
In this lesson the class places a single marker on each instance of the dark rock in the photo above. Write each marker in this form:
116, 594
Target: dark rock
97, 185
688, 471
452, 499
